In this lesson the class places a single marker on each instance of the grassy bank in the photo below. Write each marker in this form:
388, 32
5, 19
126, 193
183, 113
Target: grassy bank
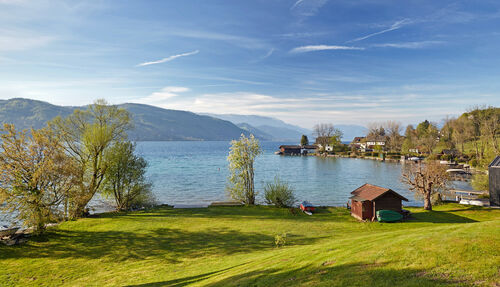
230, 246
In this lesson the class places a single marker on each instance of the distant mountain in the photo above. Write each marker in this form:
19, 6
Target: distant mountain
255, 131
282, 131
25, 113
352, 131
151, 123
278, 129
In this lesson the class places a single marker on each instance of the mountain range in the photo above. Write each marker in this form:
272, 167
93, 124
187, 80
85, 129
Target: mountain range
150, 123
157, 124
282, 131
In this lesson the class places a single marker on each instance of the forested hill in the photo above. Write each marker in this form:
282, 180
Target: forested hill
151, 123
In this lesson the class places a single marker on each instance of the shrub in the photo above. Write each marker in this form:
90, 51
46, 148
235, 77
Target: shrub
280, 240
279, 193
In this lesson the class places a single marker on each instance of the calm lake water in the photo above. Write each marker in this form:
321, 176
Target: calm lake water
196, 173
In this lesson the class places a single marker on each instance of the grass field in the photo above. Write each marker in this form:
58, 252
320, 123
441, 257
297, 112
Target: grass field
234, 246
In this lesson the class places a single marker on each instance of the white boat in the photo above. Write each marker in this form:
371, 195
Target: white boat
457, 170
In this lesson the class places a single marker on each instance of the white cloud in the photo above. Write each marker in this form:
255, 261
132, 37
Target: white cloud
168, 59
409, 45
307, 7
395, 26
307, 110
162, 95
312, 48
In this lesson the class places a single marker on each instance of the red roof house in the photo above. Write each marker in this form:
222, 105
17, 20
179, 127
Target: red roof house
367, 199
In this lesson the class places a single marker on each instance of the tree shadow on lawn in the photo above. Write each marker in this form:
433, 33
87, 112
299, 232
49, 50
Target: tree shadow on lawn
244, 212
168, 244
439, 217
357, 274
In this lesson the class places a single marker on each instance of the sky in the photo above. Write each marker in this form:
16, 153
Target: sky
302, 61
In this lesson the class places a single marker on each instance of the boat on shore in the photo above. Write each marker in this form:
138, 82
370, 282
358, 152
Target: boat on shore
6, 231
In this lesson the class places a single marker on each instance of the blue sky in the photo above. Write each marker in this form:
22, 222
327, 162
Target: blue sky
303, 61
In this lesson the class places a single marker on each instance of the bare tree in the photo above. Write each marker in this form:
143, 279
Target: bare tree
326, 134
425, 180
393, 130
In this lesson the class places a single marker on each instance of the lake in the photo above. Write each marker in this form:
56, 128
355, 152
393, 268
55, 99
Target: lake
196, 172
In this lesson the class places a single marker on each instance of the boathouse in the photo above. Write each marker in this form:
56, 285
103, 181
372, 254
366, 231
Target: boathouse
296, 149
367, 199
494, 180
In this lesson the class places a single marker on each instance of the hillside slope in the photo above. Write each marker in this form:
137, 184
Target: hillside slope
151, 123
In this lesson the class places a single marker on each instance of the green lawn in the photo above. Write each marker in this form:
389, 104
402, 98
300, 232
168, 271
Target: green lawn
234, 246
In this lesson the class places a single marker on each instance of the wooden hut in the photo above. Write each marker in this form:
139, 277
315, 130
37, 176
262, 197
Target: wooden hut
367, 199
494, 181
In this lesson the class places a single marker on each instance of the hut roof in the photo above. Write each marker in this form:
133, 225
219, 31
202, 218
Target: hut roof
495, 162
290, 146
372, 192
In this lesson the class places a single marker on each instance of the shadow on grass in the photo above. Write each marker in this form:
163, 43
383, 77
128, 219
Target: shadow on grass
439, 217
171, 245
359, 274
245, 212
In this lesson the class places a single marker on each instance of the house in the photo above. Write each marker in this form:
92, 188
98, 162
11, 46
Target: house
372, 142
328, 146
296, 149
357, 142
494, 179
290, 149
367, 199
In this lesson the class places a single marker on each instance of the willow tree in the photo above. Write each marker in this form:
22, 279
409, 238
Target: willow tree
36, 175
425, 180
87, 135
242, 154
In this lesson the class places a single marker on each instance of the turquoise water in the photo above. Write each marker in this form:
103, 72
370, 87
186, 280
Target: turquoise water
196, 172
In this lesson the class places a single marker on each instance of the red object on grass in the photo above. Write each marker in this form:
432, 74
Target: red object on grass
306, 206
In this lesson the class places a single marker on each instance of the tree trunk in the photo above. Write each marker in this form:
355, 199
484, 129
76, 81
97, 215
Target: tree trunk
427, 201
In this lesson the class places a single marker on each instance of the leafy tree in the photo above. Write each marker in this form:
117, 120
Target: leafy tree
241, 158
35, 175
410, 140
304, 140
425, 180
279, 193
125, 179
86, 136
427, 134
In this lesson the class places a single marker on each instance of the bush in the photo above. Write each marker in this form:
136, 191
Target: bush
280, 240
474, 162
279, 193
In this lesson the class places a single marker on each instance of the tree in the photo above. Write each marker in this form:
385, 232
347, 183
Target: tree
125, 178
304, 140
327, 134
410, 140
279, 193
459, 135
425, 180
241, 158
395, 140
427, 134
35, 175
86, 136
